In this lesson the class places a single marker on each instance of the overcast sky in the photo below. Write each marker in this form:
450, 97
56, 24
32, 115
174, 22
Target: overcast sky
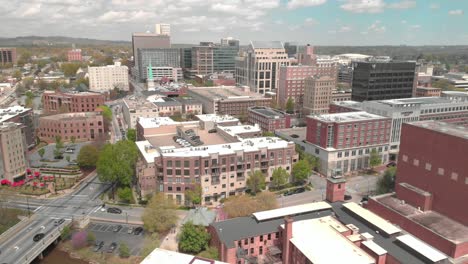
318, 22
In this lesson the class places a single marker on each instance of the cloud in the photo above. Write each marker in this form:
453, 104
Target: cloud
434, 6
344, 29
376, 27
457, 12
403, 22
311, 21
415, 27
28, 11
293, 4
191, 30
279, 22
375, 6
364, 6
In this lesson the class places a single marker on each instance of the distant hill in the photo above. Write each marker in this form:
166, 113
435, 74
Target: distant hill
57, 41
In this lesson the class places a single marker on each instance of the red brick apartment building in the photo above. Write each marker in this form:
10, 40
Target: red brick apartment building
319, 233
431, 189
58, 102
269, 119
86, 126
74, 55
428, 91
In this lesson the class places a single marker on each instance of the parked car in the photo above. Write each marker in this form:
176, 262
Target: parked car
114, 210
299, 190
138, 230
117, 228
59, 222
348, 197
365, 199
130, 230
212, 130
38, 237
391, 164
98, 245
294, 136
112, 247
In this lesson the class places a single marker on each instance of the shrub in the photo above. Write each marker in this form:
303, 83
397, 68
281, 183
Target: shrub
79, 240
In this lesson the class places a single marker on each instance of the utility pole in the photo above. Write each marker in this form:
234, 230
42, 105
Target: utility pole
27, 201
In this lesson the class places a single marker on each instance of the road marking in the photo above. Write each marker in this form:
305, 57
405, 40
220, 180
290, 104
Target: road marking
37, 209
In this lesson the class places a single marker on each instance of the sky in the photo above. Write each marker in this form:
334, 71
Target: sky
316, 22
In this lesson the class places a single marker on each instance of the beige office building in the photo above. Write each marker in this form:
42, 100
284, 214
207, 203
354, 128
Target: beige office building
258, 67
106, 78
318, 94
163, 29
12, 151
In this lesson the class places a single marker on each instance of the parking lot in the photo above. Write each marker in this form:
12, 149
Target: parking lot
104, 232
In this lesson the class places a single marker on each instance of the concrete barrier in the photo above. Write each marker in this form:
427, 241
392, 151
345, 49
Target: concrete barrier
119, 221
20, 225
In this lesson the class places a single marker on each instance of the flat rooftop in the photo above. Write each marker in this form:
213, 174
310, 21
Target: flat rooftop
267, 44
82, 115
166, 101
427, 88
268, 112
10, 112
217, 118
417, 100
133, 103
347, 117
422, 248
320, 242
241, 129
226, 93
444, 128
437, 223
351, 104
163, 256
373, 219
155, 122
291, 210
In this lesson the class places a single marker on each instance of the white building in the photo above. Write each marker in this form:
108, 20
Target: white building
457, 79
106, 78
133, 109
173, 74
163, 29
163, 256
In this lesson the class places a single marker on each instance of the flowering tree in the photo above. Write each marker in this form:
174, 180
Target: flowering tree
79, 240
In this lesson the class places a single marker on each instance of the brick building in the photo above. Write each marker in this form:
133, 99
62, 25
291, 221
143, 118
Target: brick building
23, 116
318, 233
58, 102
74, 55
227, 100
269, 119
428, 92
85, 126
12, 152
344, 141
431, 186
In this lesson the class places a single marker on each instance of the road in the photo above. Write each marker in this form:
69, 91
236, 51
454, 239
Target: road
81, 202
357, 187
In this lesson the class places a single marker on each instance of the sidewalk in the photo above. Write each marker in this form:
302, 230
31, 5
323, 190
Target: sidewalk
170, 241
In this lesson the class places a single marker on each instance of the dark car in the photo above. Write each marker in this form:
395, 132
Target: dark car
114, 210
59, 222
347, 197
138, 230
212, 130
112, 247
294, 136
300, 190
391, 164
38, 237
365, 199
117, 228
287, 193
98, 246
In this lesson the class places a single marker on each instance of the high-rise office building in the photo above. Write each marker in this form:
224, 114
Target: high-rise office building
259, 66
208, 58
230, 41
163, 29
148, 41
157, 57
383, 80
12, 151
7, 55
318, 94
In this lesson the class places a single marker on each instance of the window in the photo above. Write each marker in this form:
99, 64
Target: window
186, 172
169, 172
428, 166
186, 163
340, 154
454, 176
177, 163
466, 180
251, 240
246, 241
261, 238
260, 250
269, 236
415, 162
277, 235
405, 158
252, 250
440, 171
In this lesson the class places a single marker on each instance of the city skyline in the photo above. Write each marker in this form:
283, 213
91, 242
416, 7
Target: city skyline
318, 22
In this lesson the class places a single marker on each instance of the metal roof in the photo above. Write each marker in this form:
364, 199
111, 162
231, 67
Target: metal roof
267, 44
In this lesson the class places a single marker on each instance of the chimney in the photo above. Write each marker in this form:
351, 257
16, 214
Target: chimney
287, 235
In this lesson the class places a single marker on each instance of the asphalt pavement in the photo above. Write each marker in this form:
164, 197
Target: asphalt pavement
105, 232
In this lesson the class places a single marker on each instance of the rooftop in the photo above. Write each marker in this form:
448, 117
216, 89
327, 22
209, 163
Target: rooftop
10, 112
422, 248
442, 127
416, 100
226, 93
351, 104
268, 112
321, 242
241, 129
347, 117
200, 216
428, 88
81, 115
372, 218
217, 118
267, 44
291, 210
166, 101
163, 256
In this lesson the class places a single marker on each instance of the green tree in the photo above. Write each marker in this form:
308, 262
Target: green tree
290, 106
444, 85
88, 156
374, 159
131, 134
66, 233
17, 74
265, 201
70, 69
268, 134
106, 113
41, 152
193, 239
109, 60
73, 139
313, 161
91, 238
301, 171
116, 162
149, 244
210, 253
256, 182
80, 81
193, 195
160, 214
244, 205
58, 142
124, 251
386, 184
67, 158
279, 177
125, 194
